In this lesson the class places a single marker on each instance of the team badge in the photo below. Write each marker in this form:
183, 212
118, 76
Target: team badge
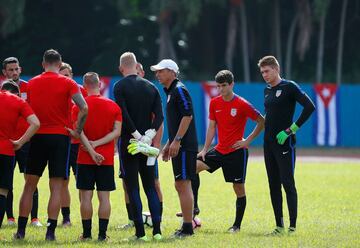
168, 99
24, 96
233, 112
278, 93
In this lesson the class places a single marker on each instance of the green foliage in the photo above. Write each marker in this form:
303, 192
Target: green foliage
11, 16
328, 211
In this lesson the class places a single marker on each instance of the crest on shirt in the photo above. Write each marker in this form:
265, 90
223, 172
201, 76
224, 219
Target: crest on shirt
168, 98
233, 112
24, 96
278, 93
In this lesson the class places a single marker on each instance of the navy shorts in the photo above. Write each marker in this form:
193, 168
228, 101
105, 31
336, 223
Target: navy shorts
7, 164
21, 156
89, 174
184, 165
52, 150
233, 164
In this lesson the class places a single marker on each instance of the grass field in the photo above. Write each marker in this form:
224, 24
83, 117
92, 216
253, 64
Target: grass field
329, 212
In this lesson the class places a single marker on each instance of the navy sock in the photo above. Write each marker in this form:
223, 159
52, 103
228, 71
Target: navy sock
35, 206
103, 225
240, 209
9, 204
86, 228
2, 208
65, 211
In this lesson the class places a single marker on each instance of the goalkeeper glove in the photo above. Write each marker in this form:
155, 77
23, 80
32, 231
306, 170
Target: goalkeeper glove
137, 146
283, 135
148, 137
136, 135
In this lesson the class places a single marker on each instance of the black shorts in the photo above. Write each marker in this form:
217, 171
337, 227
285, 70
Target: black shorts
21, 156
233, 164
184, 165
89, 175
7, 164
51, 149
74, 150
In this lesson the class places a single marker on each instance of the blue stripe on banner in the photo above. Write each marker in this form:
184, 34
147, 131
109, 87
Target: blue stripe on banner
338, 128
183, 165
67, 172
186, 104
245, 164
292, 155
327, 126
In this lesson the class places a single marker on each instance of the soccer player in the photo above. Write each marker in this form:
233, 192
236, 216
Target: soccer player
280, 98
102, 127
140, 103
228, 113
66, 70
156, 142
12, 71
15, 109
182, 144
49, 96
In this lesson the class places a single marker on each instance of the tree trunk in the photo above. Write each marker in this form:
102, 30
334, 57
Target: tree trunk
231, 37
277, 32
289, 46
341, 43
320, 52
166, 48
244, 42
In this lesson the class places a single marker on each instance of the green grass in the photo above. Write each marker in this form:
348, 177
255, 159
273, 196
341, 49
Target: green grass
329, 212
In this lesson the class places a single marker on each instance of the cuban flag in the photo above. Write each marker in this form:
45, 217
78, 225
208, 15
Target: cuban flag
210, 91
327, 115
104, 86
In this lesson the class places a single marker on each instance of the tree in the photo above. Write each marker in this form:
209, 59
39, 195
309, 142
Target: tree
305, 27
231, 33
341, 43
244, 42
11, 16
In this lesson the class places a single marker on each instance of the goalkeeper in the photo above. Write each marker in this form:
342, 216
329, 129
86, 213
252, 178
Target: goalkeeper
281, 97
140, 102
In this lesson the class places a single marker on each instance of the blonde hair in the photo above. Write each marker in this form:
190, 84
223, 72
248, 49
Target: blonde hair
128, 60
268, 61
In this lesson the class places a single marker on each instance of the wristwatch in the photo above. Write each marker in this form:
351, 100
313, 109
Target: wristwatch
178, 138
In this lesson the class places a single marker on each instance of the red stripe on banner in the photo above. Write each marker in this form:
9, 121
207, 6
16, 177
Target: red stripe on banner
105, 82
326, 91
210, 88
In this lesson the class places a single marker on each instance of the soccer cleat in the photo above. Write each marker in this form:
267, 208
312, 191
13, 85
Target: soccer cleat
19, 235
126, 226
50, 237
11, 222
278, 231
66, 223
136, 238
179, 234
35, 222
103, 239
157, 237
291, 230
196, 212
82, 238
234, 229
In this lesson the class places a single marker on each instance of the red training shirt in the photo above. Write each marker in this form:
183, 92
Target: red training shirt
230, 118
49, 95
100, 121
12, 109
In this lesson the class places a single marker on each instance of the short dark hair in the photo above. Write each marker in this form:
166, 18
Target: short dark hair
11, 86
51, 56
224, 76
65, 66
10, 60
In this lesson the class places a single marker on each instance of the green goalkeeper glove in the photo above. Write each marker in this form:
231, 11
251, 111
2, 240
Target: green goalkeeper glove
283, 135
137, 146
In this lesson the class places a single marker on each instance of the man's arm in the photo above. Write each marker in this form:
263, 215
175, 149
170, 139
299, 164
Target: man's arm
34, 125
210, 134
183, 127
96, 157
115, 133
308, 109
83, 112
256, 131
159, 134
